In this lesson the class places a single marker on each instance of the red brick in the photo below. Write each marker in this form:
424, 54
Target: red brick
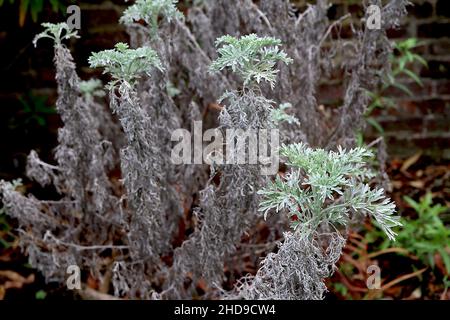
424, 107
443, 8
421, 10
93, 18
433, 30
437, 143
441, 47
417, 108
438, 124
443, 87
418, 91
394, 33
407, 124
356, 10
436, 69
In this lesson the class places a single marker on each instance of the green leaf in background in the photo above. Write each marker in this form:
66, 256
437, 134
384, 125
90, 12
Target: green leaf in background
23, 9
35, 8
35, 108
56, 5
402, 64
446, 258
413, 76
40, 295
403, 88
374, 123
420, 60
425, 236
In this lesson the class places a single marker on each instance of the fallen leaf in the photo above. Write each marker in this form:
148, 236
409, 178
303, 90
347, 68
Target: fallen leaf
416, 294
201, 284
419, 184
410, 161
92, 282
215, 106
11, 279
397, 184
439, 262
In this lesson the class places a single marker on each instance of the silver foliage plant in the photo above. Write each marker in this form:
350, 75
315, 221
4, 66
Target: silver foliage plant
261, 63
313, 42
228, 210
321, 193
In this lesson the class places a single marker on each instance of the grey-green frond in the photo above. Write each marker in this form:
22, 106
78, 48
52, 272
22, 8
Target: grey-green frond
251, 57
125, 64
57, 32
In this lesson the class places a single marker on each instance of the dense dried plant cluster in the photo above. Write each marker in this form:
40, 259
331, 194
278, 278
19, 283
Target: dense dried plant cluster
85, 221
228, 210
296, 271
260, 63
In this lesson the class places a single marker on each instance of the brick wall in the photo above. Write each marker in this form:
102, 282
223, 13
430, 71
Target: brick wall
418, 122
423, 121
25, 70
